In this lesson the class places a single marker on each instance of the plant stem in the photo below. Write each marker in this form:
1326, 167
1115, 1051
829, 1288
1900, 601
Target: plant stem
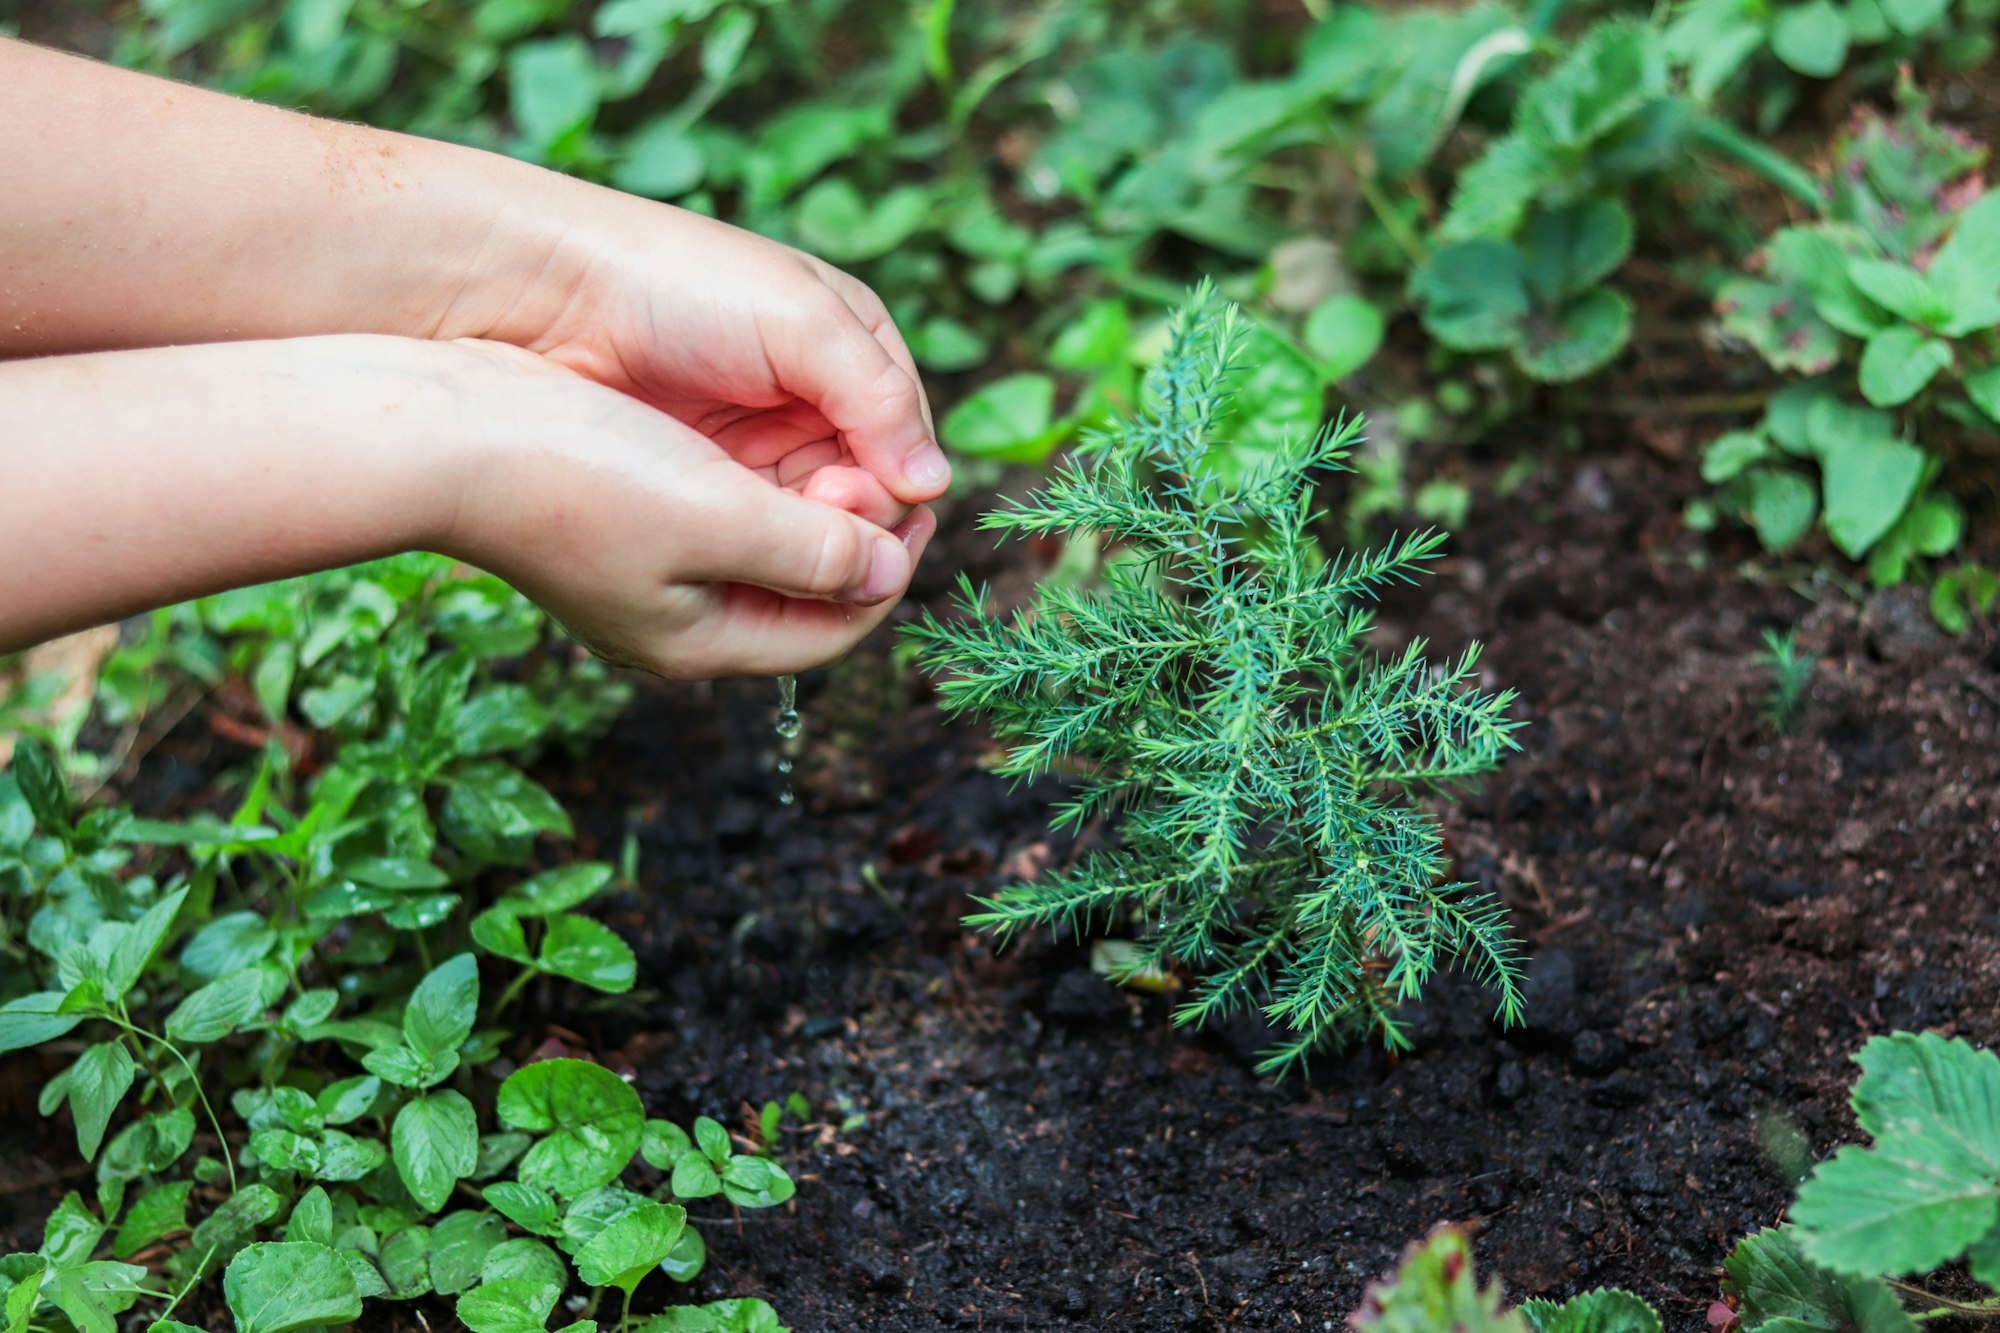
194, 1081
1713, 132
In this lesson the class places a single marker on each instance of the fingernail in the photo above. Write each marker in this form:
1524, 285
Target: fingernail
926, 467
886, 569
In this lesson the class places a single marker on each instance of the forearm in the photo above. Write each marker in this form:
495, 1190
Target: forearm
135, 479
206, 218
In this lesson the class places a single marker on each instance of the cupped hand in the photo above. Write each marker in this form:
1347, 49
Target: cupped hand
779, 358
658, 545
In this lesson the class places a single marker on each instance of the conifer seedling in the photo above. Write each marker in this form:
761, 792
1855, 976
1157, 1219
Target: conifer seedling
1214, 693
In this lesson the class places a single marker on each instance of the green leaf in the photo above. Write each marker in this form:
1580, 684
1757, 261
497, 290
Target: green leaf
1581, 338
688, 1258
1779, 1289
591, 1119
509, 1305
525, 1206
712, 1139
219, 1008
498, 931
1982, 387
1474, 295
1344, 332
441, 1010
1099, 337
589, 952
553, 88
70, 1233
525, 1259
695, 1178
32, 1020
1605, 1310
406, 1069
664, 1143
43, 786
660, 160
159, 1212
1730, 453
1868, 482
1782, 507
492, 810
136, 947
277, 1286
1010, 419
1899, 289
1812, 38
1569, 251
1955, 598
1897, 364
558, 890
752, 1182
98, 1081
835, 221
623, 1253
1913, 17
1435, 1288
312, 1218
435, 1143
459, 1246
238, 1218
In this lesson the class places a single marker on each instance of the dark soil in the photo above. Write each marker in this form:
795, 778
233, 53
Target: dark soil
1718, 917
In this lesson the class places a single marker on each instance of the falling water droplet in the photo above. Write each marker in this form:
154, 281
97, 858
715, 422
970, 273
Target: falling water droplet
788, 728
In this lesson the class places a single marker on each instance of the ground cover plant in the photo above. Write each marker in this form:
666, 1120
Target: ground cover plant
1635, 296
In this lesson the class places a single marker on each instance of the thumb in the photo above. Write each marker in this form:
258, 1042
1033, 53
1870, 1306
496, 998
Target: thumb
772, 538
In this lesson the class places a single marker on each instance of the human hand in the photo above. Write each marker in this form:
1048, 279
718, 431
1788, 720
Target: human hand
653, 544
779, 358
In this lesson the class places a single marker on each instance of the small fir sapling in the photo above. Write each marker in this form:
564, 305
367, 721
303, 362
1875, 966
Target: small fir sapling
1215, 691
1791, 676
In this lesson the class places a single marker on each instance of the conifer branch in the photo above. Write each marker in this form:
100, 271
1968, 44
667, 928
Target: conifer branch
1214, 690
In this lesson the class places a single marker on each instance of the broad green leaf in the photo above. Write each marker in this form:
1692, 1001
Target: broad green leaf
498, 931
1897, 364
688, 1258
623, 1253
660, 160
219, 1008
1913, 17
1011, 419
524, 1259
834, 220
508, 1305
98, 1081
70, 1233
1982, 387
1100, 336
406, 1263
1779, 1289
148, 1145
435, 1143
1569, 251
459, 1246
441, 1010
1344, 332
228, 944
591, 1119
1474, 295
1579, 339
589, 952
712, 1139
525, 1206
137, 946
159, 1212
664, 1143
558, 890
752, 1182
1730, 453
1782, 507
1868, 483
32, 1020
1812, 38
406, 1069
277, 1286
553, 89
238, 1218
312, 1218
1900, 289
1605, 1310
695, 1177
1900, 1207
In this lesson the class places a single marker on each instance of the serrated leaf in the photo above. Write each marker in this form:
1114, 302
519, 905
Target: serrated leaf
34, 1019
459, 1246
559, 889
525, 1206
159, 1212
588, 952
1606, 1310
1899, 289
1474, 295
440, 1013
1568, 251
508, 1305
1779, 1289
1577, 340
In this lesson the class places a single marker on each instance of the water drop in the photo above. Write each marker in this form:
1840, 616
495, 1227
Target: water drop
788, 728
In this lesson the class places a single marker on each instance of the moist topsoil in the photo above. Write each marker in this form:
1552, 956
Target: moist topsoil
1717, 918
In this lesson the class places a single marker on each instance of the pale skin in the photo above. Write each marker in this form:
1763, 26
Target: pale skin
247, 344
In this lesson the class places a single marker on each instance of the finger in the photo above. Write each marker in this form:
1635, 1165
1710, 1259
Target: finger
857, 491
759, 633
828, 357
761, 534
869, 309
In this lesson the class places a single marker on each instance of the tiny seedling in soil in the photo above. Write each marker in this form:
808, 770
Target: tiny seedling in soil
1214, 691
1791, 676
